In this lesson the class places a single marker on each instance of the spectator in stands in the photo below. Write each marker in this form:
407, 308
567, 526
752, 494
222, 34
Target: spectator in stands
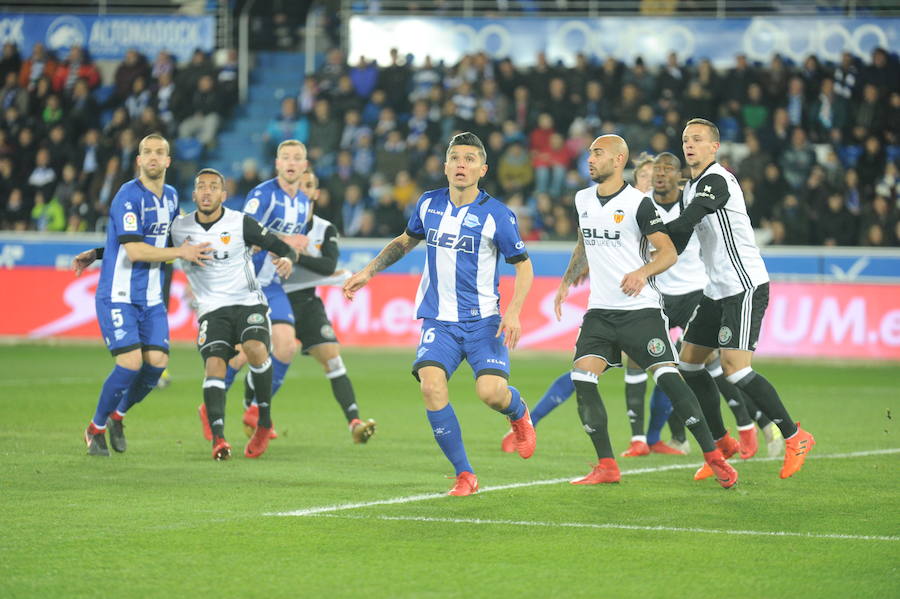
164, 98
698, 102
870, 165
836, 225
16, 214
557, 104
227, 79
77, 66
67, 186
203, 113
754, 112
639, 132
774, 80
51, 114
882, 73
39, 64
387, 122
149, 122
816, 190
138, 99
395, 81
391, 157
26, 152
117, 124
343, 175
344, 97
405, 192
331, 71
629, 102
47, 215
827, 112
83, 112
753, 164
880, 214
289, 124
365, 77
37, 100
163, 64
78, 214
12, 94
59, 147
870, 113
790, 224
91, 158
249, 178
773, 185
104, 187
10, 60
524, 111
324, 134
737, 80
550, 166
188, 78
797, 160
353, 210
133, 66
672, 78
432, 176
330, 209
389, 219
494, 102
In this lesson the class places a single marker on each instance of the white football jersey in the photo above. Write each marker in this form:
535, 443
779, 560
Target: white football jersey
727, 243
228, 278
614, 230
689, 273
304, 278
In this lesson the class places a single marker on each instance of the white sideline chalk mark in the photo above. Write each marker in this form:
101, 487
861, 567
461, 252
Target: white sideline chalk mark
609, 526
340, 507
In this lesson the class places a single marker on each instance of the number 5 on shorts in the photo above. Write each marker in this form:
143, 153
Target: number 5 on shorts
116, 315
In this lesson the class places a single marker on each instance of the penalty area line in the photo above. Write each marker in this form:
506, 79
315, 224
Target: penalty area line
613, 526
327, 509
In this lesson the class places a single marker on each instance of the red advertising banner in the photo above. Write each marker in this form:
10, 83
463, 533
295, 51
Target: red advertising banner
804, 319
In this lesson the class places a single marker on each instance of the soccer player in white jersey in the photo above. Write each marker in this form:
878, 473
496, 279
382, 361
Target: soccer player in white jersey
129, 304
232, 308
317, 266
734, 302
682, 288
617, 224
466, 231
280, 206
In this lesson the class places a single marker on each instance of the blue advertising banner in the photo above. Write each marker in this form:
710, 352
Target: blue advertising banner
651, 38
109, 36
550, 259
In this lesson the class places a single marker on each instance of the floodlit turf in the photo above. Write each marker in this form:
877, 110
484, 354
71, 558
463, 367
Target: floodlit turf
164, 520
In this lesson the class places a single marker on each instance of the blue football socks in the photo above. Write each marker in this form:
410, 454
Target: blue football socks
448, 435
559, 391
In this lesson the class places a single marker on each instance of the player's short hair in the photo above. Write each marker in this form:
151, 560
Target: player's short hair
154, 136
290, 142
467, 138
670, 157
211, 171
643, 159
713, 130
315, 177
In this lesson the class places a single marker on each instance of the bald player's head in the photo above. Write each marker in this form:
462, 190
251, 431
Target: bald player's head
608, 156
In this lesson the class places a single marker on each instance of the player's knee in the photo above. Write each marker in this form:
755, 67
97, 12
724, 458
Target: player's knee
256, 351
733, 362
493, 392
215, 367
131, 360
334, 368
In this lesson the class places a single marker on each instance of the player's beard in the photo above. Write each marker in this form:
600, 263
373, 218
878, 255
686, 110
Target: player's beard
208, 211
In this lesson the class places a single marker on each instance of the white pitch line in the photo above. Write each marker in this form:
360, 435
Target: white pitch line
340, 507
608, 526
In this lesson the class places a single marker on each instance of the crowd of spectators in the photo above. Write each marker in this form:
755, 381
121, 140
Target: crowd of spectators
68, 142
815, 146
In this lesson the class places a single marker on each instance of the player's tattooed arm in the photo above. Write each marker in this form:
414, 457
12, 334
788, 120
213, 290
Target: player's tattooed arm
393, 251
578, 264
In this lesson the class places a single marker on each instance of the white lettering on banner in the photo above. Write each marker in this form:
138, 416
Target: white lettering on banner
786, 328
830, 320
12, 253
890, 328
158, 32
11, 31
398, 316
79, 296
343, 313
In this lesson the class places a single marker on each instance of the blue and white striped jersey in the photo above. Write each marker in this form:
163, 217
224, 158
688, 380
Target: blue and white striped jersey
136, 214
277, 211
461, 276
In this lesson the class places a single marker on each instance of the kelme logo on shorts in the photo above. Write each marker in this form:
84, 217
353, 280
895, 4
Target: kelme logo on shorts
656, 347
724, 335
256, 319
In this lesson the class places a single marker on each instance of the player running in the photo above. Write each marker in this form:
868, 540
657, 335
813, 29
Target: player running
465, 231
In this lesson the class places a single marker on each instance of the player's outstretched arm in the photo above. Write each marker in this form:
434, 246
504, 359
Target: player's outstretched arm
392, 252
575, 273
661, 259
85, 259
139, 251
510, 323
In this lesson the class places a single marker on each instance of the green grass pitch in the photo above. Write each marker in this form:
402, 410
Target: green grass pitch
165, 520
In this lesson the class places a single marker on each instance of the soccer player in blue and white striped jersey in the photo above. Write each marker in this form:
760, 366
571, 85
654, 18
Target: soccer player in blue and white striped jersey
129, 303
466, 231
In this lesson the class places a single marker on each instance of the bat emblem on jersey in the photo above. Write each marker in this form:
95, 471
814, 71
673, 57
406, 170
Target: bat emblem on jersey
618, 216
225, 237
